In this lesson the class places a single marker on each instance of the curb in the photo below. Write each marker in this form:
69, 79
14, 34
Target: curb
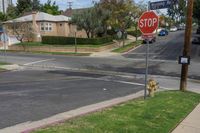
134, 48
62, 117
11, 67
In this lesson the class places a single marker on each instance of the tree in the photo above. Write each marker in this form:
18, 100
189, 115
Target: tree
36, 6
23, 31
197, 11
122, 12
27, 6
177, 11
182, 10
103, 16
3, 17
86, 20
12, 12
51, 8
23, 6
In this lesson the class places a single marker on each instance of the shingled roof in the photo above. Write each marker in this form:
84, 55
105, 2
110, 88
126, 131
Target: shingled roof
41, 16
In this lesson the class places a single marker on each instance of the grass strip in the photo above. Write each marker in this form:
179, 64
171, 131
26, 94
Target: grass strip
63, 53
26, 44
155, 115
53, 53
127, 47
1, 64
4, 63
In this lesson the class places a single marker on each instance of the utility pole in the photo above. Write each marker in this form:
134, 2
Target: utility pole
70, 4
187, 45
3, 6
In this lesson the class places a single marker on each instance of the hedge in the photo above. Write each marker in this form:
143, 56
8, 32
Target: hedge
59, 40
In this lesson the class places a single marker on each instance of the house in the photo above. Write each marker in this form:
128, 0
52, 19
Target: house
40, 24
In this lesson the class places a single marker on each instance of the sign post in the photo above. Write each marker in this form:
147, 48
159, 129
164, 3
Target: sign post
147, 23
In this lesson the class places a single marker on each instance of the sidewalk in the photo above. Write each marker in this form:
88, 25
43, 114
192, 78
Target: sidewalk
191, 124
109, 53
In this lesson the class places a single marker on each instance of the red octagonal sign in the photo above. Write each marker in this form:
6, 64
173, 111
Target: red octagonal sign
148, 22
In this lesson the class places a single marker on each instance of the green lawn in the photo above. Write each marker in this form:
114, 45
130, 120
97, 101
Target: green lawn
155, 115
79, 46
127, 47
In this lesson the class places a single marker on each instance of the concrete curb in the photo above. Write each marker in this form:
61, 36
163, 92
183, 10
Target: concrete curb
134, 48
59, 118
11, 67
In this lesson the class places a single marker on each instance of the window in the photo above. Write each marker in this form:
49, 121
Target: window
45, 26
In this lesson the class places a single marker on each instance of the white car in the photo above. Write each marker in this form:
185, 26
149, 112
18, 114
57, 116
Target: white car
173, 28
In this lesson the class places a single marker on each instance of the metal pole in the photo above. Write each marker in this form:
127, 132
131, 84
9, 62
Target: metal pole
147, 62
147, 68
75, 43
187, 45
4, 45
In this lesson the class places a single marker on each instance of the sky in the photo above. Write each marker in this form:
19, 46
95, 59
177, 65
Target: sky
63, 4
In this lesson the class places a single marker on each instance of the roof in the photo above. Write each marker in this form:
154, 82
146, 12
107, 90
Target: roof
69, 12
41, 16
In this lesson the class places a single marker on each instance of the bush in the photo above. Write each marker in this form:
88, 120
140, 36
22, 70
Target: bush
134, 33
59, 40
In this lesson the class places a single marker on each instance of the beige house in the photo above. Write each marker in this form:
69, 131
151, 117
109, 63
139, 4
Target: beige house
42, 24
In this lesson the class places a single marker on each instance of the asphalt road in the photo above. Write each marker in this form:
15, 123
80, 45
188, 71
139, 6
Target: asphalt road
33, 95
163, 59
49, 84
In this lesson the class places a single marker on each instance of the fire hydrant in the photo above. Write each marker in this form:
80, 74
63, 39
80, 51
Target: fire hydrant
152, 86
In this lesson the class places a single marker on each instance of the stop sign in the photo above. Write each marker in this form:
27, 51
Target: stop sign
148, 22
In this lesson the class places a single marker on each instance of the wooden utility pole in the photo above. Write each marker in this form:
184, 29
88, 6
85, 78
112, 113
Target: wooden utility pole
187, 45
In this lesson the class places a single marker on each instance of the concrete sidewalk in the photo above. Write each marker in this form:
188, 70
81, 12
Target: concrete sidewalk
191, 124
109, 53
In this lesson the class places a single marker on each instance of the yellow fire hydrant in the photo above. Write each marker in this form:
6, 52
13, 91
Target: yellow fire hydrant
152, 86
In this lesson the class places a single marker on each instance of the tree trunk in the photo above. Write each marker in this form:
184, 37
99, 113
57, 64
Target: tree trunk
88, 34
92, 34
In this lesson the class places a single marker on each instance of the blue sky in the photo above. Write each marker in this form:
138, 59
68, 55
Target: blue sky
76, 3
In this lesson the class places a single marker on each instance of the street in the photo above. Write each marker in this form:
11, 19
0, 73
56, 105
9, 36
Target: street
48, 84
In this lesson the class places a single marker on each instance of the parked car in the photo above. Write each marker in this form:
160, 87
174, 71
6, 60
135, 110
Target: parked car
196, 40
181, 27
163, 32
151, 40
173, 29
198, 31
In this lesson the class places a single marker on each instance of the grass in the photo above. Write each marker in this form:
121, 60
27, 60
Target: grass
1, 64
64, 53
54, 53
155, 115
127, 47
67, 46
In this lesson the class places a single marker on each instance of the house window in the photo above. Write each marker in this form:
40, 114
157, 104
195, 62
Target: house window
46, 26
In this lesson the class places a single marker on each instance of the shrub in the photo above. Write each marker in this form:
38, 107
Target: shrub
134, 33
59, 40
